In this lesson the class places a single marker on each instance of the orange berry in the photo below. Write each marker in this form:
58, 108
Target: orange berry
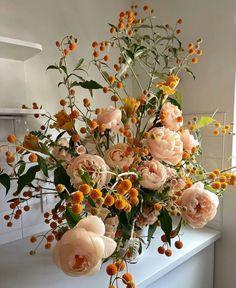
50, 238
63, 102
33, 239
48, 246
83, 130
111, 79
95, 53
179, 244
72, 46
119, 85
60, 188
133, 192
53, 225
94, 44
102, 48
217, 172
10, 159
130, 285
186, 155
111, 269
199, 52
161, 250
78, 197
77, 208
66, 51
85, 189
106, 58
109, 200
26, 208
145, 7
195, 60
33, 157
134, 201
190, 45
120, 204
216, 185
121, 25
96, 194
191, 51
105, 89
46, 215
126, 185
74, 114
120, 265
19, 149
86, 102
158, 207
216, 132
178, 31
168, 252
11, 138
112, 30
180, 21
6, 217
75, 138
127, 277
9, 224
114, 98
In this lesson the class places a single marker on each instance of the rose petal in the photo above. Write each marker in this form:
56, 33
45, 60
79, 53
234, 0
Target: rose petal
93, 224
110, 246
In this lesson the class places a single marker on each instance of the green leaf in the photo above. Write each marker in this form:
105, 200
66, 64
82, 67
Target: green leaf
5, 181
86, 178
130, 54
113, 26
179, 98
174, 102
151, 230
62, 67
61, 177
204, 121
166, 223
50, 67
80, 62
43, 165
90, 85
21, 169
71, 218
27, 178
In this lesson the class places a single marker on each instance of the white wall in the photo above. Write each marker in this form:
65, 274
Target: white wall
214, 21
44, 22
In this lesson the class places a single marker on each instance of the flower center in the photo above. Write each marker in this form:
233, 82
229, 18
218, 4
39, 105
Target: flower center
81, 263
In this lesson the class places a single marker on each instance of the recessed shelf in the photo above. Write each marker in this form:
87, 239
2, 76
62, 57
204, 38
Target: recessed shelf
18, 49
20, 112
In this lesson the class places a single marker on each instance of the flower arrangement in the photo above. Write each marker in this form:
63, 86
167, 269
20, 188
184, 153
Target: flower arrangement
117, 170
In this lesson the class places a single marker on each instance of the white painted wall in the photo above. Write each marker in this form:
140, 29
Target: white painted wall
214, 21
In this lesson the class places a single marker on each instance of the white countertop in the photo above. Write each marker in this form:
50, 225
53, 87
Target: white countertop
19, 270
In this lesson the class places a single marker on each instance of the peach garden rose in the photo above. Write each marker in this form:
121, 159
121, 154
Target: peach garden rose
165, 145
188, 140
153, 174
119, 156
170, 115
110, 117
81, 249
93, 164
201, 205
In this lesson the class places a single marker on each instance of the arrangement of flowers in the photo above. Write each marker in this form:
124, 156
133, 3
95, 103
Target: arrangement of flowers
119, 169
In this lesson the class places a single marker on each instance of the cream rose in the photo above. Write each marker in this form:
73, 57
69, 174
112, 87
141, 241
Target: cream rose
153, 174
110, 117
81, 249
165, 145
169, 116
93, 164
119, 156
60, 152
188, 140
201, 205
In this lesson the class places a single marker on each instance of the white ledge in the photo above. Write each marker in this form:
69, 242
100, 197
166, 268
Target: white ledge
18, 49
16, 266
20, 112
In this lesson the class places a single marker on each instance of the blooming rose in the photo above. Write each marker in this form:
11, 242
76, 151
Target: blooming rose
60, 152
111, 224
153, 174
169, 114
81, 249
188, 140
201, 205
93, 164
165, 145
110, 117
119, 156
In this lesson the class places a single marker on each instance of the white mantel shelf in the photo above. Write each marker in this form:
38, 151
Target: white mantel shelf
20, 112
18, 269
16, 49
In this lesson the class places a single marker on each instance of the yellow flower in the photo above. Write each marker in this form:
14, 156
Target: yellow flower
169, 86
31, 142
63, 121
131, 105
